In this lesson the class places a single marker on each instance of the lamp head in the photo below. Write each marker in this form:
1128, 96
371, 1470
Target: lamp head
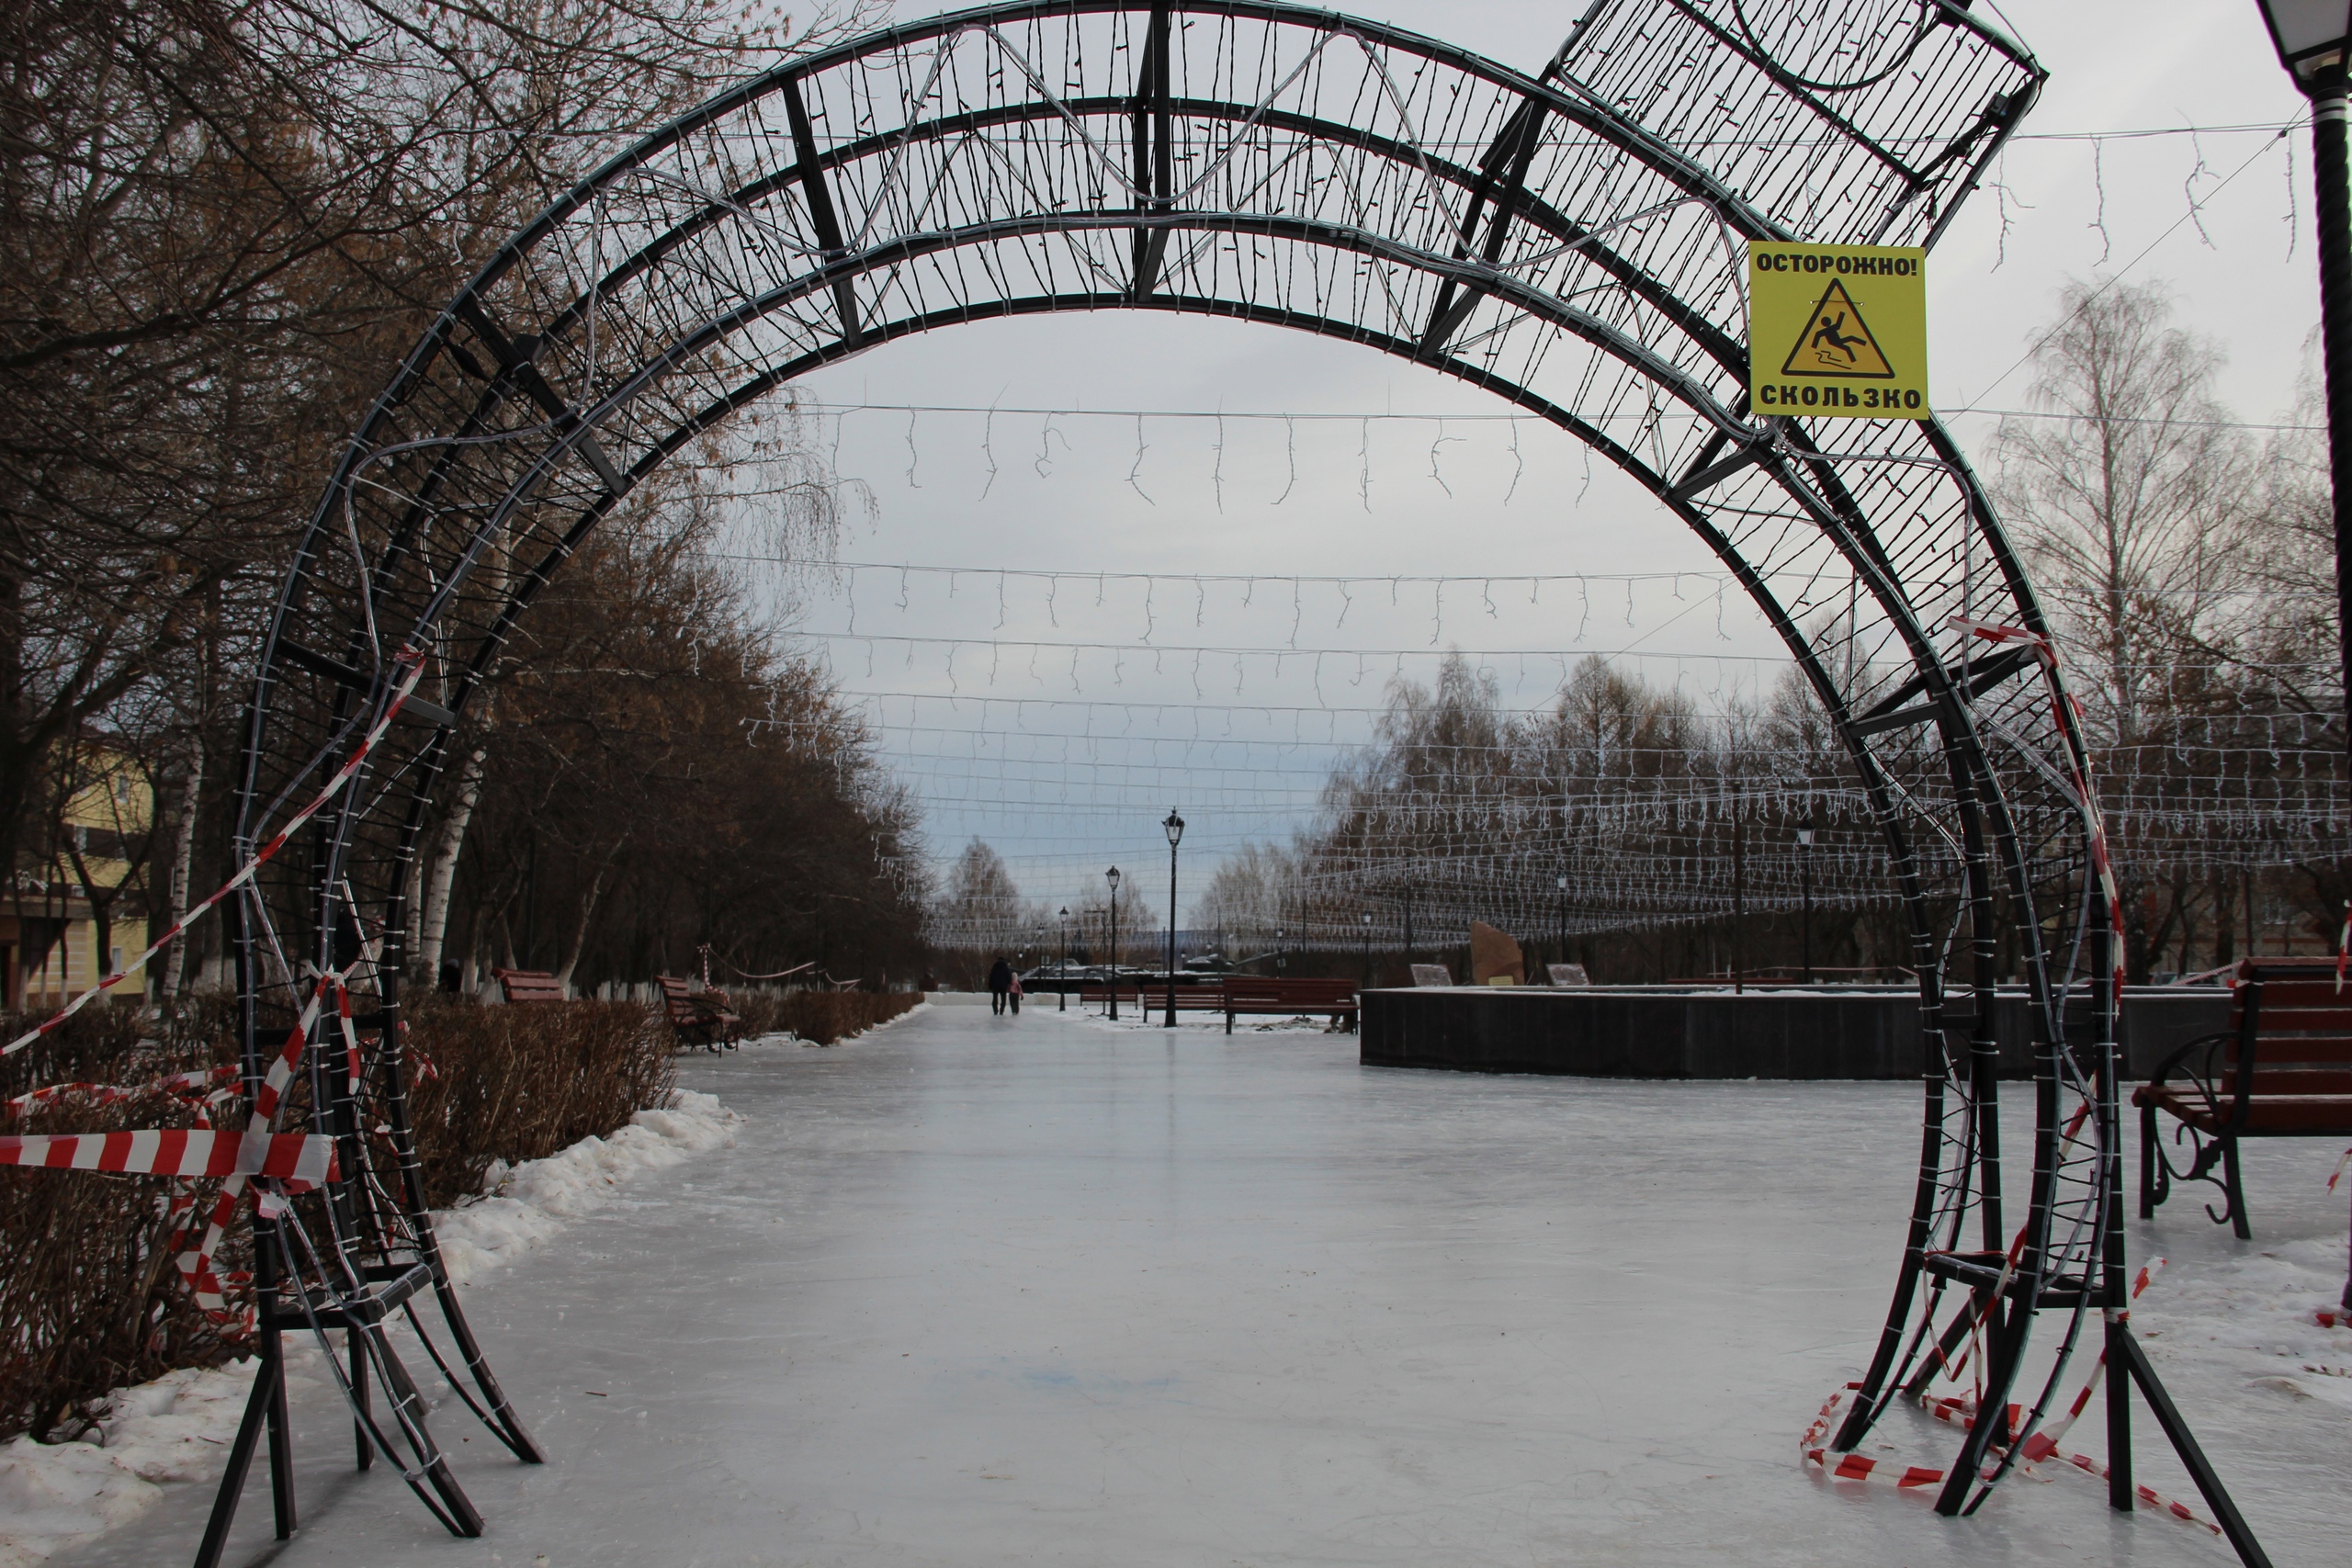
1804, 838
1065, 912
2311, 37
1174, 826
1112, 877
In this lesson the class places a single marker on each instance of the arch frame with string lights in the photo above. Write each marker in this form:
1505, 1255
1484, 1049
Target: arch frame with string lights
1570, 240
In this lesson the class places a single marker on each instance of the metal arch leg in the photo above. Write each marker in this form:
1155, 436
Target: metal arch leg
260, 1408
1970, 1308
2120, 1494
281, 1445
2151, 1162
2005, 1350
408, 1404
2236, 1189
2134, 1360
359, 1394
508, 1426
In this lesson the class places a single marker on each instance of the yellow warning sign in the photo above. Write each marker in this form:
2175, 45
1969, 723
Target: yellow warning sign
1837, 331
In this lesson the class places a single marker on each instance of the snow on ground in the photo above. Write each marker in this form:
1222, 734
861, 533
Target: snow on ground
1034, 1292
524, 1205
2249, 1311
178, 1429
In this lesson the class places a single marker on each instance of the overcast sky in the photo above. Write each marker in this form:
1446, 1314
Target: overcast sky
1083, 748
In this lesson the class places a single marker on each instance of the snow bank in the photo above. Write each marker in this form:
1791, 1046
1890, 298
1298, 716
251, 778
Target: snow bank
2255, 1316
523, 1206
178, 1427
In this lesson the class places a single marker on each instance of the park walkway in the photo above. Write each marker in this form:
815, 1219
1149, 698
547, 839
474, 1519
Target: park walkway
976, 1291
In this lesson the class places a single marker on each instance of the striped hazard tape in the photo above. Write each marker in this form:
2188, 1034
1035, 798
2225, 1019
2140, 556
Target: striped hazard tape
288, 1162
293, 1162
300, 1160
2039, 1448
201, 1084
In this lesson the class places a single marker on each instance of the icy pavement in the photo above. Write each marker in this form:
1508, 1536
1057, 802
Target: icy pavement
975, 1292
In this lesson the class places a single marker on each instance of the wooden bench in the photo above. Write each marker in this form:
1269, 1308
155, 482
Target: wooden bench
2282, 1069
1129, 996
519, 985
1189, 999
702, 1019
1334, 999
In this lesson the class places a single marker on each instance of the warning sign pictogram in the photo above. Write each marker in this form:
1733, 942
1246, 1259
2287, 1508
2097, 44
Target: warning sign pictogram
1837, 331
1835, 340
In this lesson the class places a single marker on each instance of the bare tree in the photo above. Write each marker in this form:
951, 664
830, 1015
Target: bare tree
2132, 506
219, 221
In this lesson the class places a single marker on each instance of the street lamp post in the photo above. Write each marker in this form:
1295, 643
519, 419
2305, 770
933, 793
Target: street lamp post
1281, 959
1061, 977
2315, 41
1561, 882
1804, 876
1367, 947
1174, 827
1111, 875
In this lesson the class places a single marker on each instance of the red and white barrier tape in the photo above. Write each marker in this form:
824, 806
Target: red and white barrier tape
301, 1160
2038, 1448
291, 1162
414, 659
185, 1085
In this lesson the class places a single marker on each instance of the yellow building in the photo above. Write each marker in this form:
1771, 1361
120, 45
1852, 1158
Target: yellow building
49, 937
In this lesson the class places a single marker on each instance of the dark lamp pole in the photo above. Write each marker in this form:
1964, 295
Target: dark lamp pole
1367, 947
1804, 873
1111, 875
1062, 977
1563, 883
1174, 827
2313, 39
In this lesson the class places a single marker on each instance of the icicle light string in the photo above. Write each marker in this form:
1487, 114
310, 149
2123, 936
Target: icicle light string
1533, 582
1644, 418
760, 141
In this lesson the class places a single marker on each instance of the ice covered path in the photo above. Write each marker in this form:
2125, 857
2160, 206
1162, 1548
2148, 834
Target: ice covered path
971, 1293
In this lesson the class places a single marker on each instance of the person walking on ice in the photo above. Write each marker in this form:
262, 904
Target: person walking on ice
999, 985
1013, 991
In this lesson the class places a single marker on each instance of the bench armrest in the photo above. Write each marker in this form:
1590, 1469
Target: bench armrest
2229, 1121
2180, 1054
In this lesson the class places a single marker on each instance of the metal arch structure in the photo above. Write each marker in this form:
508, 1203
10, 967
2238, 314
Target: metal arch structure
1572, 240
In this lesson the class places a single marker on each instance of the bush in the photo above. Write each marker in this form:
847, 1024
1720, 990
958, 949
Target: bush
89, 1301
517, 1083
822, 1018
